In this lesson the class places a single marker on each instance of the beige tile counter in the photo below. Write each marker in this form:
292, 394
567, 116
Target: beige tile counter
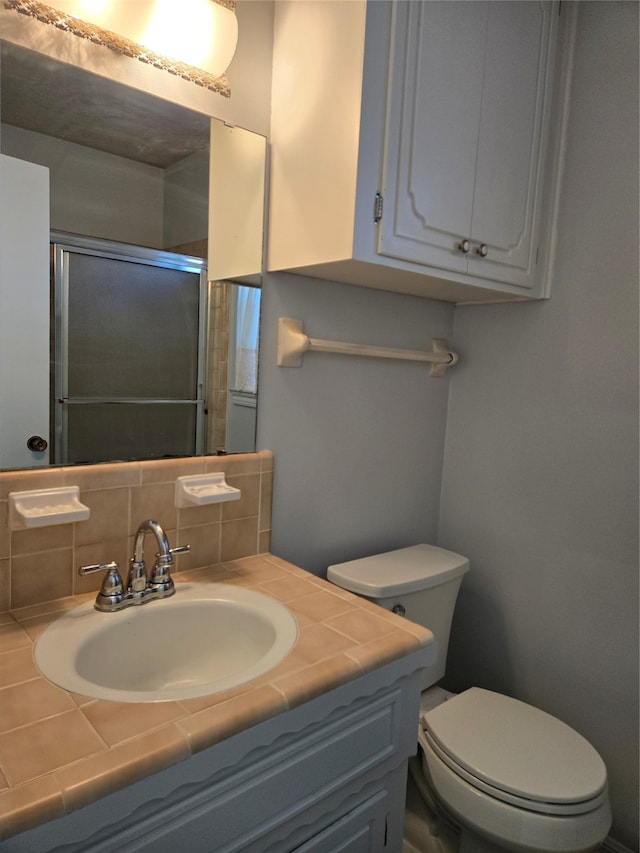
60, 751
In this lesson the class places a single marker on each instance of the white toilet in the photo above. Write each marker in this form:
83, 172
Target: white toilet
492, 773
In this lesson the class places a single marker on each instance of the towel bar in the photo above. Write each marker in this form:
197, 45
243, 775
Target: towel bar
293, 343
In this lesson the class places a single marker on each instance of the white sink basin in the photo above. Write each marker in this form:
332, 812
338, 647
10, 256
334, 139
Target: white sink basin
206, 638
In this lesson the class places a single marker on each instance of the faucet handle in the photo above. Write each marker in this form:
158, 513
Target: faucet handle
111, 568
180, 549
161, 581
111, 592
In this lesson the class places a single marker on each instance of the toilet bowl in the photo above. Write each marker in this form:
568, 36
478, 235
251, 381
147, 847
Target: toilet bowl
514, 774
506, 775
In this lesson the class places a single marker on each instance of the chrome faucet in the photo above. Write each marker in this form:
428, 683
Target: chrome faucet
140, 588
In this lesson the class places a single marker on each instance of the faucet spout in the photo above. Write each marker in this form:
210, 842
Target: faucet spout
150, 526
160, 584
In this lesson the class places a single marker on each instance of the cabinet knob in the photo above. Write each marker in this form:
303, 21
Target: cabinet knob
464, 246
482, 250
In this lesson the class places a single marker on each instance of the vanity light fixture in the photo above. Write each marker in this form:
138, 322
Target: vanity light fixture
203, 33
194, 39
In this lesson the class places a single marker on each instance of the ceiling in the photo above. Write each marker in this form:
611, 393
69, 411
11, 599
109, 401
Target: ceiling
40, 94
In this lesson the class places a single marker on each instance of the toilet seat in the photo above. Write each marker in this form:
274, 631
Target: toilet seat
543, 807
516, 753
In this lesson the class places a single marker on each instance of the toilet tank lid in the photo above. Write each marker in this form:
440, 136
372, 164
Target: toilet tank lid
397, 572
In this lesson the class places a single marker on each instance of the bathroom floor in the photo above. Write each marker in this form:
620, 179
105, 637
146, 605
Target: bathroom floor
423, 831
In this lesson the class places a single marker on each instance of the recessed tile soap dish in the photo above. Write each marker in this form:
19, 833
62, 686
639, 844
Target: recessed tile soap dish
200, 489
46, 507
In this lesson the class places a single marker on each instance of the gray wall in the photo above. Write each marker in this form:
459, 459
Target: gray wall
358, 442
540, 483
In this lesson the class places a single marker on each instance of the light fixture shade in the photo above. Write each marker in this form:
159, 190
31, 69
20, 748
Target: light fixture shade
201, 33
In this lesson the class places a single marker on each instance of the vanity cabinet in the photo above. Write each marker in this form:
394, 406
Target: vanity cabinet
328, 775
415, 145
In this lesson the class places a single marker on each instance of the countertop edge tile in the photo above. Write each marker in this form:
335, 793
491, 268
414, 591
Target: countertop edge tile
306, 684
27, 805
91, 778
384, 650
217, 723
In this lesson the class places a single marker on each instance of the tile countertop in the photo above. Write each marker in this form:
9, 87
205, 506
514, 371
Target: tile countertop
60, 751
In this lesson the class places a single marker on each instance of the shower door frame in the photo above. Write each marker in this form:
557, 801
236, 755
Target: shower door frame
63, 244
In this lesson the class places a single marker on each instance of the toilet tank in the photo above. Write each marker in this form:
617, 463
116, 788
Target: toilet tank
421, 581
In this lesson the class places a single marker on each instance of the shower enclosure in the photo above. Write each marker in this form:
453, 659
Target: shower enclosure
129, 351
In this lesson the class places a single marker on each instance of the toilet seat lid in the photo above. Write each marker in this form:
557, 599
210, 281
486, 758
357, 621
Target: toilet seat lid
516, 748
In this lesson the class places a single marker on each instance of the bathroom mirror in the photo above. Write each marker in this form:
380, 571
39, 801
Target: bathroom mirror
129, 168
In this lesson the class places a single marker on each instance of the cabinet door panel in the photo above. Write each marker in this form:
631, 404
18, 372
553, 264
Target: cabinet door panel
435, 95
509, 142
361, 830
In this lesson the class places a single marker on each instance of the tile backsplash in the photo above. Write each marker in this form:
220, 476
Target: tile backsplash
41, 564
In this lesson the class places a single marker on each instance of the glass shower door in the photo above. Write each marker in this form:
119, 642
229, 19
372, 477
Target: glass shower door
130, 327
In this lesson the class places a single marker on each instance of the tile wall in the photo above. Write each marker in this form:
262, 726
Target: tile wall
41, 564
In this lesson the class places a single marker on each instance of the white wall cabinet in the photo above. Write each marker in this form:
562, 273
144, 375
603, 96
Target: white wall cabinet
444, 111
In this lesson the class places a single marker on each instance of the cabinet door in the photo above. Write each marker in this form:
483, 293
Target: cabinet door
468, 88
433, 116
510, 139
361, 830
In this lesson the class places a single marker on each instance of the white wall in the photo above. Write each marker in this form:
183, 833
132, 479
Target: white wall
250, 71
93, 193
186, 200
358, 442
540, 483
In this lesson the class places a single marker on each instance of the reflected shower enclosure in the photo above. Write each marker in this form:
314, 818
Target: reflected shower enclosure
129, 352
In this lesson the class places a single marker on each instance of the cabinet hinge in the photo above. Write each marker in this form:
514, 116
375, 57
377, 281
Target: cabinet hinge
377, 208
